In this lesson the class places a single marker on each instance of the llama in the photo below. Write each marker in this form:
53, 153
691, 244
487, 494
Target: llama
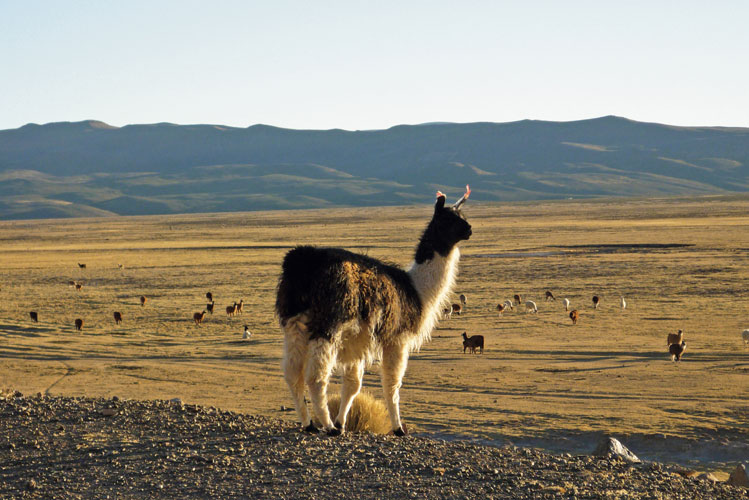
501, 308
82, 266
231, 310
463, 299
118, 317
143, 300
550, 296
247, 333
676, 350
78, 287
566, 303
508, 305
209, 307
531, 307
209, 296
240, 307
623, 303
457, 309
574, 316
596, 301
79, 324
336, 307
675, 338
447, 313
745, 336
198, 317
34, 316
472, 343
518, 299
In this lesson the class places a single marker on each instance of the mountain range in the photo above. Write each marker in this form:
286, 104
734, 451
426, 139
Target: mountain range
89, 168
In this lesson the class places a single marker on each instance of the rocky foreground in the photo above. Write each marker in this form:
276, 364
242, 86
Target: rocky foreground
60, 447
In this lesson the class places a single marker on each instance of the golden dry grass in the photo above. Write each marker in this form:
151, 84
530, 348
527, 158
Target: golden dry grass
539, 376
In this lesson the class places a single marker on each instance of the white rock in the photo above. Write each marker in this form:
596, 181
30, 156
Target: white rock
739, 477
612, 447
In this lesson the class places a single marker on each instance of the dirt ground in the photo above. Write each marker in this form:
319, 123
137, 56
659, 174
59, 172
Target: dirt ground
679, 263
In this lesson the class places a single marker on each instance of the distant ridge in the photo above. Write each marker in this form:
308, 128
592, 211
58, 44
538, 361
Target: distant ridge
90, 167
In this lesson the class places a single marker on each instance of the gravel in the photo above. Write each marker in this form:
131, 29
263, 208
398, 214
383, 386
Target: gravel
62, 447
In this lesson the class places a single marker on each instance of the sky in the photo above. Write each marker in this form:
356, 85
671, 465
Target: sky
361, 65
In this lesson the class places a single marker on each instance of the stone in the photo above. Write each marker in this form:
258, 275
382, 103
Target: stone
109, 412
611, 447
739, 476
707, 476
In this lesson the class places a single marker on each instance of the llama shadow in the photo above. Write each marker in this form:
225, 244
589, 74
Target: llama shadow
25, 331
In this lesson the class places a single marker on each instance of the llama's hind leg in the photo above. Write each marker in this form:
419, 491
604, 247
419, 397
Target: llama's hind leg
394, 361
352, 380
294, 358
321, 358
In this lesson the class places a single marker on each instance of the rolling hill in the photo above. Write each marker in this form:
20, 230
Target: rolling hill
93, 169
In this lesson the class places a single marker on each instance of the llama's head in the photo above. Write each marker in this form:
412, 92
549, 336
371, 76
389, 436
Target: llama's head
446, 229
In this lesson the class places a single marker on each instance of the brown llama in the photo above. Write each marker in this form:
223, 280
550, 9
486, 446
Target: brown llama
198, 317
118, 317
473, 343
78, 324
143, 300
574, 316
34, 316
550, 296
596, 301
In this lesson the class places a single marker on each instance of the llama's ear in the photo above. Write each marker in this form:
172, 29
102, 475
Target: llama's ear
440, 201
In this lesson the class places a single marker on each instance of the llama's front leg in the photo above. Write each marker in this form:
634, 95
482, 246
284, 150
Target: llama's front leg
294, 358
352, 379
394, 361
321, 358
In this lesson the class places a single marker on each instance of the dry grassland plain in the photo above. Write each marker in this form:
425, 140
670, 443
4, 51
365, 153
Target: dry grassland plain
680, 264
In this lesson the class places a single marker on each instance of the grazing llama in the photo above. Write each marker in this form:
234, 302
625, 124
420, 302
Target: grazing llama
745, 336
518, 299
117, 317
550, 296
34, 316
143, 300
574, 316
463, 299
566, 303
457, 309
623, 303
596, 301
79, 324
336, 307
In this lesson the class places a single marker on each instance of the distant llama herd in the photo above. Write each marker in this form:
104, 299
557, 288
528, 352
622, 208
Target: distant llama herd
339, 309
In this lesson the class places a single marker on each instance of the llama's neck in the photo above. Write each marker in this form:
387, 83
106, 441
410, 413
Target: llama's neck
433, 280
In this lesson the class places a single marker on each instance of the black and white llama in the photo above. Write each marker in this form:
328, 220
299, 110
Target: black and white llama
338, 308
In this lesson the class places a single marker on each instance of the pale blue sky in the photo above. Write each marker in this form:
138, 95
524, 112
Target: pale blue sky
366, 65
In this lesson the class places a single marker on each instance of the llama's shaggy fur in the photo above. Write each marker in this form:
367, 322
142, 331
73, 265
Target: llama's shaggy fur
338, 308
367, 414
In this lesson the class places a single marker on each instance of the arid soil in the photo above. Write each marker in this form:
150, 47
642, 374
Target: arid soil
59, 447
541, 382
